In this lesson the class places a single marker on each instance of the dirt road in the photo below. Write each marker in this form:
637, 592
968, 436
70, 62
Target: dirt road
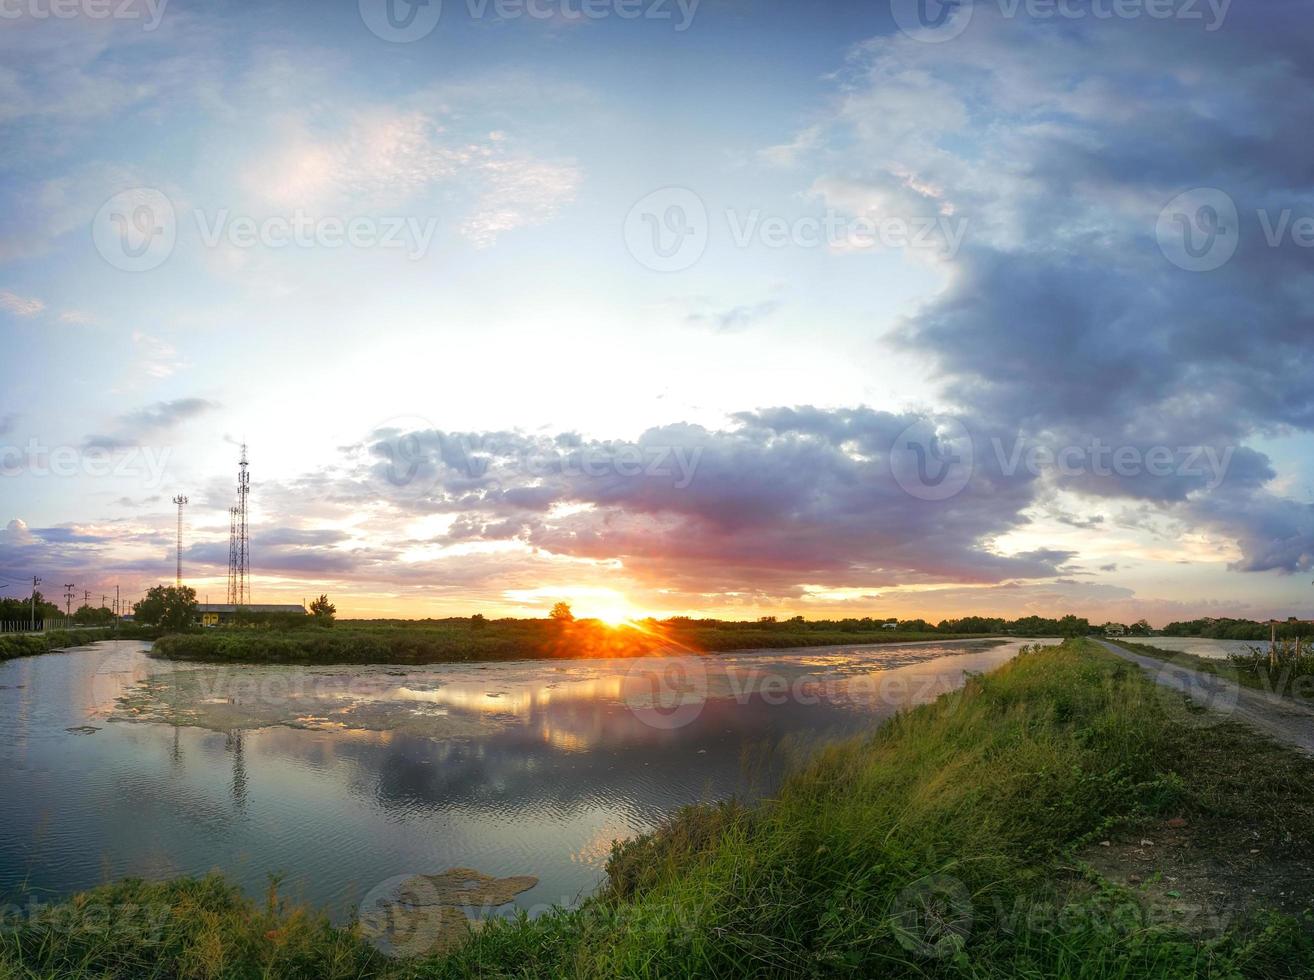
1281, 718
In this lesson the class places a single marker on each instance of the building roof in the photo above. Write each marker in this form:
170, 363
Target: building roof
228, 607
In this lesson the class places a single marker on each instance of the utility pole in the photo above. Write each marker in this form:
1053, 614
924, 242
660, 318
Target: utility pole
180, 500
35, 582
68, 597
118, 613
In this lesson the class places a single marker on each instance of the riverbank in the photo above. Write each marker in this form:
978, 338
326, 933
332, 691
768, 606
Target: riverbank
1024, 826
31, 644
467, 641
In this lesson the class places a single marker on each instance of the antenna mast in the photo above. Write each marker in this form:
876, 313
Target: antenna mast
243, 543
232, 556
180, 500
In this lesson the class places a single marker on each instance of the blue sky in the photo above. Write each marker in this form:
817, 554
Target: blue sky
878, 239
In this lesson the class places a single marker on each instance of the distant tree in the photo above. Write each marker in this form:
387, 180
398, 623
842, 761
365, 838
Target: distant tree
561, 613
1140, 628
19, 610
323, 610
478, 621
1071, 625
169, 607
91, 616
766, 619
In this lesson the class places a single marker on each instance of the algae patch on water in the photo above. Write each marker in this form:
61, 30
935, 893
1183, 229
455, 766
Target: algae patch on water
227, 698
420, 914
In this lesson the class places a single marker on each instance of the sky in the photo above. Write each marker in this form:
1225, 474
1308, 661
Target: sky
730, 308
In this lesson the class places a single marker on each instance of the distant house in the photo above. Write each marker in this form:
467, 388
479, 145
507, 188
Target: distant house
1115, 629
214, 613
892, 625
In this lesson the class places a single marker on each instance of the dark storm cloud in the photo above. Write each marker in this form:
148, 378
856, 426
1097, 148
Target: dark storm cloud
1065, 318
782, 497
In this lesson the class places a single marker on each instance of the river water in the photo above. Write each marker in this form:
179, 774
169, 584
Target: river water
116, 764
1202, 647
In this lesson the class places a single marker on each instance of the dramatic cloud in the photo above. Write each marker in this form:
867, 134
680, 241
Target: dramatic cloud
785, 497
1064, 317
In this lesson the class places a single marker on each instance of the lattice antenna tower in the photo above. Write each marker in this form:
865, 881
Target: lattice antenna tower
181, 501
243, 541
232, 556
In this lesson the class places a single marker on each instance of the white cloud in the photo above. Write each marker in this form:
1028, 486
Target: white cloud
20, 305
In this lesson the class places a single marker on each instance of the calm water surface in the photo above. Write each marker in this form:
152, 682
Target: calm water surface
115, 764
1201, 647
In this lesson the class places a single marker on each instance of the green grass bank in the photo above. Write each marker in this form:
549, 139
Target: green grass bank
30, 644
466, 641
957, 840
